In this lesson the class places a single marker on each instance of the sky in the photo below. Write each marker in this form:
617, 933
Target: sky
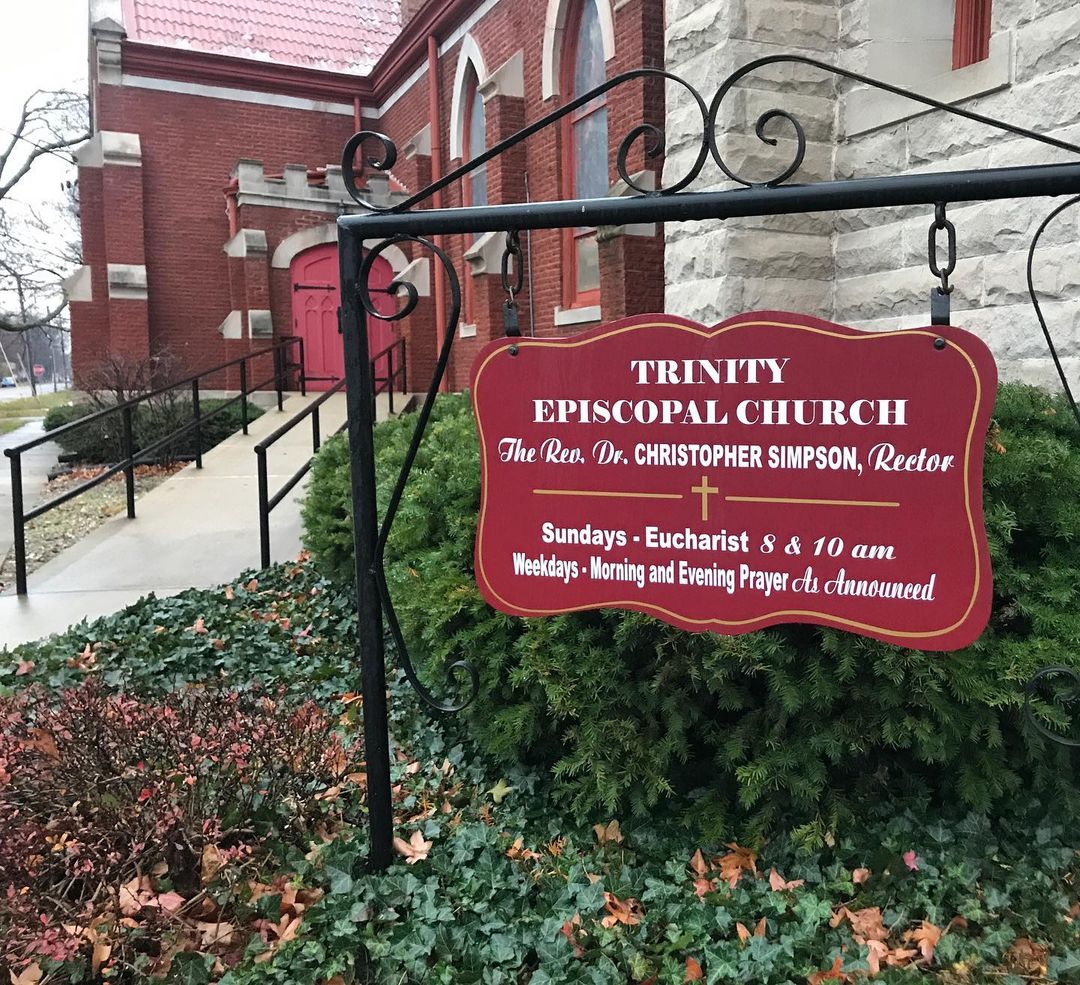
43, 46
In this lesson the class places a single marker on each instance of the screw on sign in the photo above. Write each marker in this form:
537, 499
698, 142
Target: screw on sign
775, 468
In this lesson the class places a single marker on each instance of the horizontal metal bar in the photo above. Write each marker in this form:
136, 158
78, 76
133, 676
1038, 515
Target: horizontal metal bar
288, 487
65, 497
825, 196
293, 421
284, 343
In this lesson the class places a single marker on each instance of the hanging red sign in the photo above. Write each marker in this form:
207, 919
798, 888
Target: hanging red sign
775, 468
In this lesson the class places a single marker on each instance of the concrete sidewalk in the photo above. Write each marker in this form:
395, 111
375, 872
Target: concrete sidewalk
197, 529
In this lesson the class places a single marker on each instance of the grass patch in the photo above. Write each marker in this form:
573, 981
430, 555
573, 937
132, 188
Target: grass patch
498, 883
37, 406
9, 424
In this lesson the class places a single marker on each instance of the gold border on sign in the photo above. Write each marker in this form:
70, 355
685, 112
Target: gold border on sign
771, 617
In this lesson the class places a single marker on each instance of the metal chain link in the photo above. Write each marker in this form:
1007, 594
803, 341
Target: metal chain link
941, 222
512, 250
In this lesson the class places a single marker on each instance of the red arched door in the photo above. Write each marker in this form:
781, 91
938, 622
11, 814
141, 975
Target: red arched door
315, 287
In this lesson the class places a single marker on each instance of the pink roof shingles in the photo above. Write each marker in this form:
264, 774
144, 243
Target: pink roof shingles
336, 35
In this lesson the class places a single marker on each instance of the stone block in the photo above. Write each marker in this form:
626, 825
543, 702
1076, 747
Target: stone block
1056, 274
788, 22
789, 256
786, 294
1048, 43
904, 293
875, 249
881, 153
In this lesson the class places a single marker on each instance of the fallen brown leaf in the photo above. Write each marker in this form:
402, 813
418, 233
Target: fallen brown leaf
779, 885
926, 938
628, 911
693, 971
608, 832
1025, 957
415, 849
833, 974
735, 863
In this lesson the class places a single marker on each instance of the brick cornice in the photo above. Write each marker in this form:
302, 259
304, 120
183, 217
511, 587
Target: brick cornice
209, 68
405, 53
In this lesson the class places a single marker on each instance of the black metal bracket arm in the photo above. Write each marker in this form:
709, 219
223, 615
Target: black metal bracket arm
402, 224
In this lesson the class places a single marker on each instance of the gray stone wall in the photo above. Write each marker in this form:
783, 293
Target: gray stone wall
869, 269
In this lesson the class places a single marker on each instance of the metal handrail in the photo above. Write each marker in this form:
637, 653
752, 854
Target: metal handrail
386, 384
132, 456
268, 502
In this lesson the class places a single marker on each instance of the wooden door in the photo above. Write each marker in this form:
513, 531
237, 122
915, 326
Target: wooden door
315, 286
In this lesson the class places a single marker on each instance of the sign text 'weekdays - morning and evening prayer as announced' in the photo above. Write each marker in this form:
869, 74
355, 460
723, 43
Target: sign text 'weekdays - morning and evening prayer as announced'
774, 468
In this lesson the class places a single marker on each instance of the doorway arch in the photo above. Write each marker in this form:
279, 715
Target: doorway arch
315, 283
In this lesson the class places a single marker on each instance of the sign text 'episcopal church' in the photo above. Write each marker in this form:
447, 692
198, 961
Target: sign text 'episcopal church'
775, 468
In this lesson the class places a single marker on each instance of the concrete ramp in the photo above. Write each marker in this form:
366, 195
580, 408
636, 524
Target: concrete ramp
197, 529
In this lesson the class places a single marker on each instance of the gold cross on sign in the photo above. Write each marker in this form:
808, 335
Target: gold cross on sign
705, 491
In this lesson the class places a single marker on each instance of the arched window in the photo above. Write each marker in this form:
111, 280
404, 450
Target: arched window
474, 141
474, 186
585, 161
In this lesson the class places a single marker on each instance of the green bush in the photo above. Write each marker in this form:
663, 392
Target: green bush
102, 441
795, 721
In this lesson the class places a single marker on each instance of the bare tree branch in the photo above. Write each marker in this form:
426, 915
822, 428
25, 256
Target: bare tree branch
50, 121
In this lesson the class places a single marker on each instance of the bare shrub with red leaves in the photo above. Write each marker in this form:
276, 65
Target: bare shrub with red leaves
116, 813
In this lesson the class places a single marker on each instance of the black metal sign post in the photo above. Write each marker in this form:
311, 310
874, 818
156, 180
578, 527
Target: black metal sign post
384, 227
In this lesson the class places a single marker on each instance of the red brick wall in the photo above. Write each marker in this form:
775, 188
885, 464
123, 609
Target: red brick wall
191, 143
189, 146
636, 284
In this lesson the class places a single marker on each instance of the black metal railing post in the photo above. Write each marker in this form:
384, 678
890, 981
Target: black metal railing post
197, 417
279, 377
267, 502
404, 374
19, 518
264, 508
369, 630
243, 395
129, 460
390, 378
303, 366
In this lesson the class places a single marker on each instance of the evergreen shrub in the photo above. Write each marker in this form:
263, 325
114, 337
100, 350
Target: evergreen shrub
102, 442
792, 722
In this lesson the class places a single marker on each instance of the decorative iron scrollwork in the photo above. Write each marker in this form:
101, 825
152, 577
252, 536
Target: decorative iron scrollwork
654, 138
1064, 683
460, 669
1052, 675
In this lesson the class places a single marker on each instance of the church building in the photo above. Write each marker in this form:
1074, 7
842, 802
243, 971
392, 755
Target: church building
211, 186
212, 183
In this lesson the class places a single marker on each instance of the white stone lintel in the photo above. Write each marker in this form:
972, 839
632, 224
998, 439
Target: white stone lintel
127, 281
507, 80
233, 326
869, 109
417, 273
110, 147
485, 255
77, 286
419, 145
247, 242
577, 316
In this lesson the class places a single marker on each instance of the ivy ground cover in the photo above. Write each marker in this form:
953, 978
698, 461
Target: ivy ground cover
181, 788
